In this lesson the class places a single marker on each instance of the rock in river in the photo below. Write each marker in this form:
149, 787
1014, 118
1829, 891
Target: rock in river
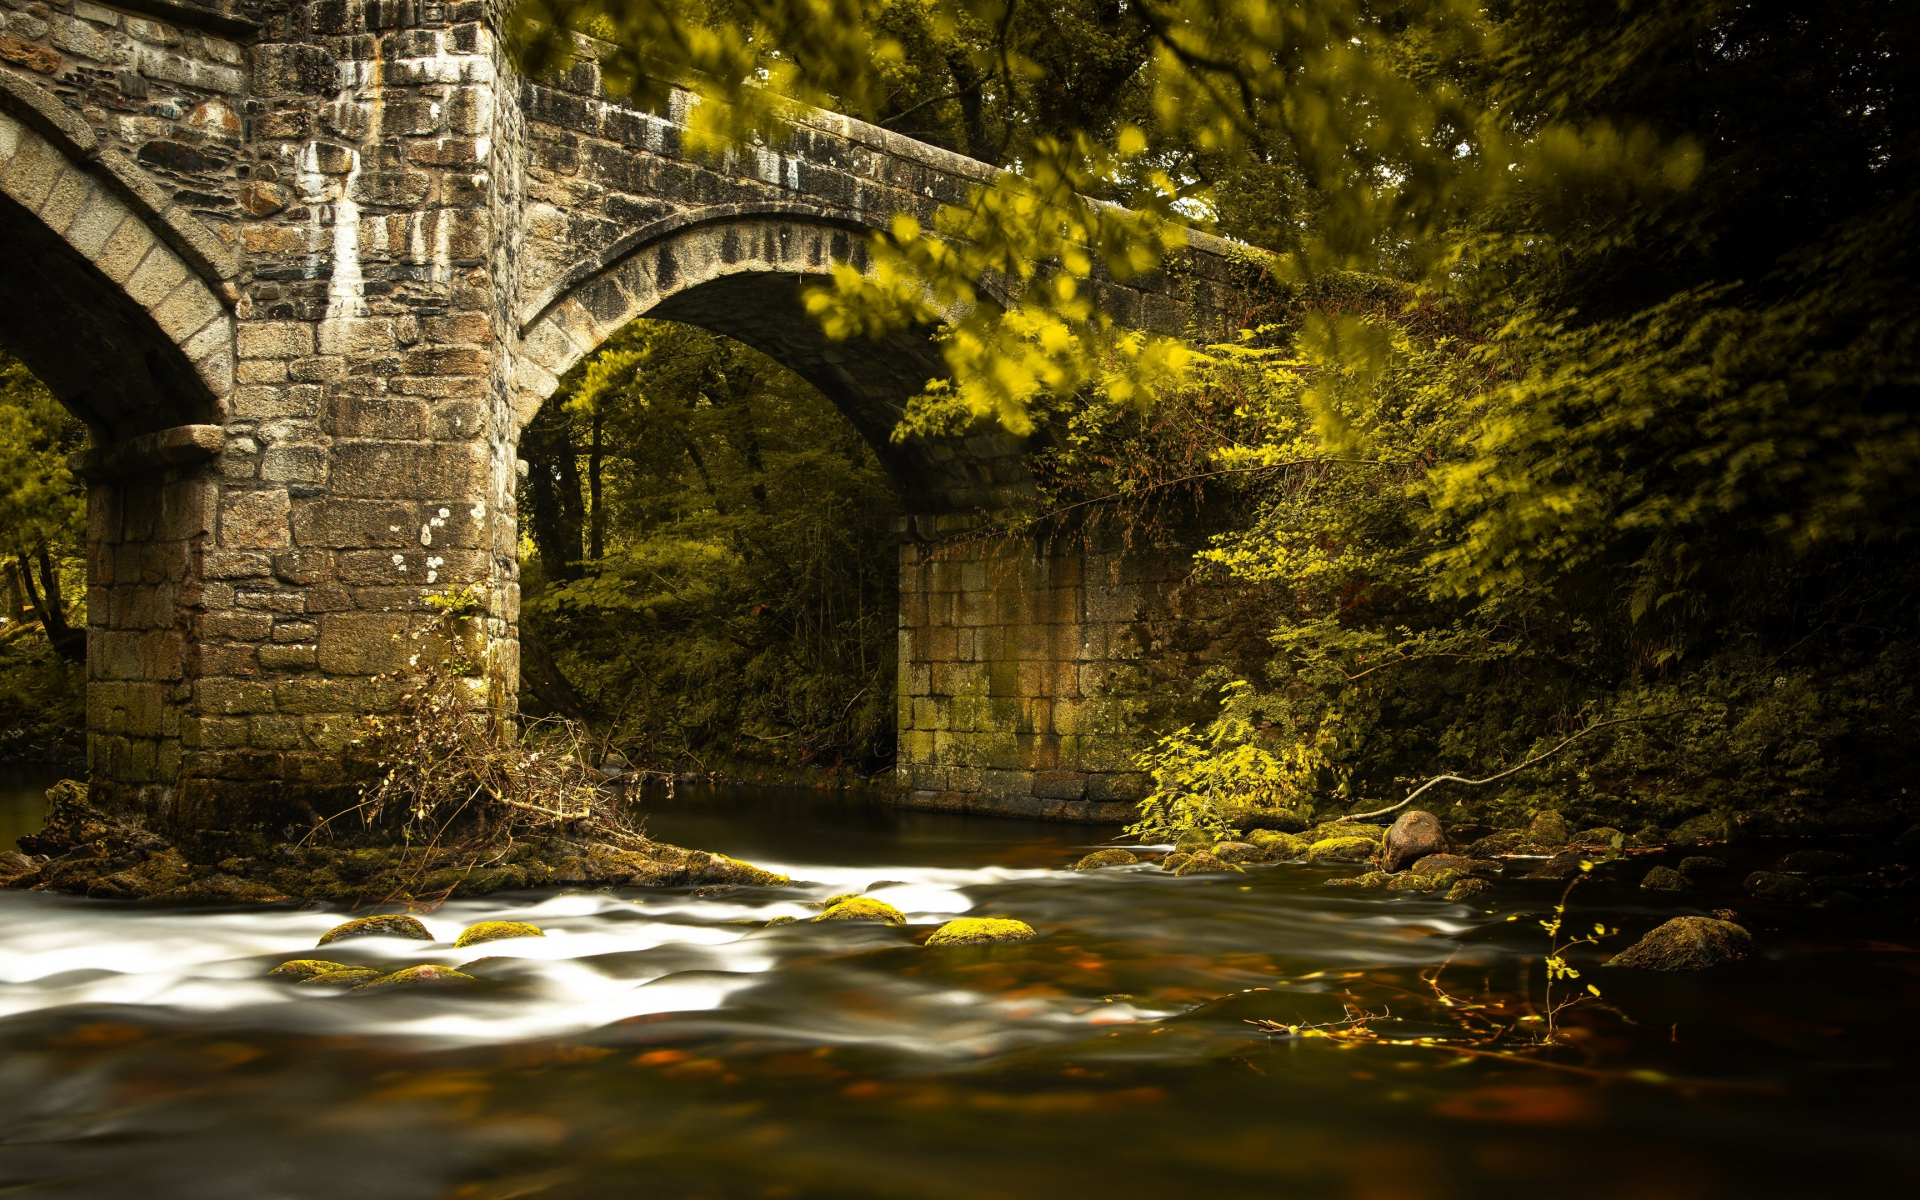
1771, 885
1687, 944
1664, 879
392, 925
1201, 864
494, 931
1467, 889
1111, 857
1414, 836
864, 908
975, 931
425, 975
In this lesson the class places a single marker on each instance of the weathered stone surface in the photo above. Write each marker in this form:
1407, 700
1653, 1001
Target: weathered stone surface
1414, 835
1112, 857
494, 931
1687, 944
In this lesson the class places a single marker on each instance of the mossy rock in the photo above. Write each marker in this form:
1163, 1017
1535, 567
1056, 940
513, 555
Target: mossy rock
1410, 882
346, 977
1341, 849
978, 931
1664, 879
1372, 879
864, 908
1711, 827
782, 921
836, 898
1111, 857
1173, 862
1467, 889
1812, 862
425, 975
1507, 841
1699, 866
1255, 817
1605, 836
1687, 944
299, 969
1865, 820
1346, 829
1549, 828
1283, 847
393, 925
1647, 836
1238, 852
494, 931
1203, 864
1193, 841
1781, 889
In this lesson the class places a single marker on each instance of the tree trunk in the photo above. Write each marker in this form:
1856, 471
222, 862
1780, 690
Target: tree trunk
555, 516
597, 517
69, 643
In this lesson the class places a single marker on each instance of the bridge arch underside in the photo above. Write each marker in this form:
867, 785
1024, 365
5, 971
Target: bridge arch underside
743, 280
1021, 677
136, 344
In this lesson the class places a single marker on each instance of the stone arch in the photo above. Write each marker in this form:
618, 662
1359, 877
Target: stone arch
118, 324
737, 270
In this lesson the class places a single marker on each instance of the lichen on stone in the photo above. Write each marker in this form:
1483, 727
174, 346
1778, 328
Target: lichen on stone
973, 931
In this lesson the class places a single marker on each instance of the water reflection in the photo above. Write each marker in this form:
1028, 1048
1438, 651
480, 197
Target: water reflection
663, 1044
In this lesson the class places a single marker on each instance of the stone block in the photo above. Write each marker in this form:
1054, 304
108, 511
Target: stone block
274, 339
214, 697
255, 519
447, 472
1060, 785
344, 524
364, 643
288, 657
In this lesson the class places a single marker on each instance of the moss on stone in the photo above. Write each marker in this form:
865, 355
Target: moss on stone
973, 931
390, 925
1664, 879
1173, 862
1341, 849
1237, 852
494, 931
1687, 944
1372, 879
1203, 864
425, 975
346, 977
1346, 829
305, 968
1698, 866
1467, 889
1771, 885
1112, 857
863, 908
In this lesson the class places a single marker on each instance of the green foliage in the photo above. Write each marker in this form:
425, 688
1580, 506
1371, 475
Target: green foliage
742, 603
41, 503
1200, 779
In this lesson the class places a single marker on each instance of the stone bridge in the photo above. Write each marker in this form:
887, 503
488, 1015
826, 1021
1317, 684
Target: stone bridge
306, 269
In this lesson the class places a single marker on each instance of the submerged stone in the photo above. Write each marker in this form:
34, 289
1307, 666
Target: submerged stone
975, 931
425, 975
391, 925
1664, 879
494, 931
1414, 836
1111, 857
1372, 879
1771, 885
1687, 944
863, 908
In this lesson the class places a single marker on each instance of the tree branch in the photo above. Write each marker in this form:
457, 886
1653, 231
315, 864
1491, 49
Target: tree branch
1536, 759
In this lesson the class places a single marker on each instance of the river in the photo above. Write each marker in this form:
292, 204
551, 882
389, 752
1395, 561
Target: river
668, 1045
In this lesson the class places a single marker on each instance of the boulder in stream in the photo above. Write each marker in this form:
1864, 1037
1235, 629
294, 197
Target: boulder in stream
1700, 866
977, 931
1113, 856
1771, 885
1340, 849
1564, 865
1414, 836
1278, 847
1549, 829
1664, 879
1238, 852
1467, 889
389, 925
863, 908
344, 977
300, 969
1687, 944
1203, 864
494, 931
425, 975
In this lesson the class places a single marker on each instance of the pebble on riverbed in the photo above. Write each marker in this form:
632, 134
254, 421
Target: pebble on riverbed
391, 925
494, 931
1687, 944
1112, 857
863, 908
977, 931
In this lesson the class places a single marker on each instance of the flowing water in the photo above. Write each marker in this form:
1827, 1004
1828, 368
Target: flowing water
670, 1045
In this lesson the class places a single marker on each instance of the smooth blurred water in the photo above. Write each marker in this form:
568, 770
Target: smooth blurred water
662, 1044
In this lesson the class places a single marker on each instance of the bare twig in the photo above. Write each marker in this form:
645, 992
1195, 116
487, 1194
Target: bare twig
1534, 761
